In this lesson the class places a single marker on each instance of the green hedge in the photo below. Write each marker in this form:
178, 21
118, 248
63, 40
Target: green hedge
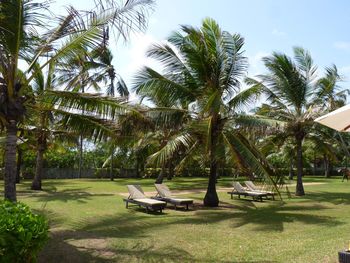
22, 233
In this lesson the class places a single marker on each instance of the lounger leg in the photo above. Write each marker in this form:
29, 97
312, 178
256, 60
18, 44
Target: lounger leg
126, 204
175, 207
186, 206
231, 196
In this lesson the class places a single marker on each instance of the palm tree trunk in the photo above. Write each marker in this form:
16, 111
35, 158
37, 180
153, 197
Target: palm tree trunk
171, 171
211, 198
81, 142
326, 166
315, 163
160, 177
80, 156
112, 167
299, 188
19, 164
291, 172
10, 161
142, 169
137, 167
36, 184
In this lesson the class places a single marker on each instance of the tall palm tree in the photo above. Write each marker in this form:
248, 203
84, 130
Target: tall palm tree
201, 75
77, 74
21, 21
42, 120
290, 87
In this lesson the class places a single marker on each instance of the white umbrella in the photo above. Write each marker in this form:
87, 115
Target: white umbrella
338, 120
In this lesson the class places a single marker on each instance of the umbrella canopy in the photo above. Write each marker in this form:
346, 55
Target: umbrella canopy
338, 120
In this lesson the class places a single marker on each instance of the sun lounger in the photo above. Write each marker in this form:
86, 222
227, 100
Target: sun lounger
137, 197
239, 190
164, 194
252, 187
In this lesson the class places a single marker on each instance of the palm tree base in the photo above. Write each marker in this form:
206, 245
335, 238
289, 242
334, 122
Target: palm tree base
211, 200
36, 187
299, 193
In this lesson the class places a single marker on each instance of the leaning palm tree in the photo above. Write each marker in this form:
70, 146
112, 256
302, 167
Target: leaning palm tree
21, 21
290, 87
201, 75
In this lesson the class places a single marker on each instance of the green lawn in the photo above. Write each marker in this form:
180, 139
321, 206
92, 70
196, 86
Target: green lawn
89, 223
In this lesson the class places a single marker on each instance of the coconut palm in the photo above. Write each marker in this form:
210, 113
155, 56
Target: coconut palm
91, 69
330, 95
21, 21
201, 75
290, 87
40, 84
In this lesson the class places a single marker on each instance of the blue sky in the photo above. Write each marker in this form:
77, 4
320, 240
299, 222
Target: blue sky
321, 26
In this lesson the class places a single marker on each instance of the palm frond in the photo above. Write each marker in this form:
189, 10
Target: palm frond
251, 157
182, 141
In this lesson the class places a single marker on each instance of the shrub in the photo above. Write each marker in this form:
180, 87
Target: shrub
22, 233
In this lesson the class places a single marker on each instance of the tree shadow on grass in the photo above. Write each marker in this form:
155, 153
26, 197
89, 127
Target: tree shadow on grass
80, 195
273, 218
268, 218
133, 225
64, 248
330, 197
59, 250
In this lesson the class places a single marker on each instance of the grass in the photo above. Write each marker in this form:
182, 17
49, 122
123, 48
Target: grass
89, 223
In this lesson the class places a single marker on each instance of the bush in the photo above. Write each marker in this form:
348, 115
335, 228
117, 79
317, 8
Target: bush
22, 233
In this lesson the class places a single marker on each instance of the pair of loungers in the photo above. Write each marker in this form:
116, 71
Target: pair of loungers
251, 190
156, 203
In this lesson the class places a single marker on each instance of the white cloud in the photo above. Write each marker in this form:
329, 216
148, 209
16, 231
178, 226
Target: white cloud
137, 52
256, 66
153, 21
345, 72
131, 58
342, 45
278, 33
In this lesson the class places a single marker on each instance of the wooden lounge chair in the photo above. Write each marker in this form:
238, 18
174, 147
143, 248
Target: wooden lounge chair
164, 194
239, 190
137, 197
252, 187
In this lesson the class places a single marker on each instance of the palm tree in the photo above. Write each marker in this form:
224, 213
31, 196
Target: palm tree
20, 21
290, 88
201, 78
42, 120
78, 75
330, 95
